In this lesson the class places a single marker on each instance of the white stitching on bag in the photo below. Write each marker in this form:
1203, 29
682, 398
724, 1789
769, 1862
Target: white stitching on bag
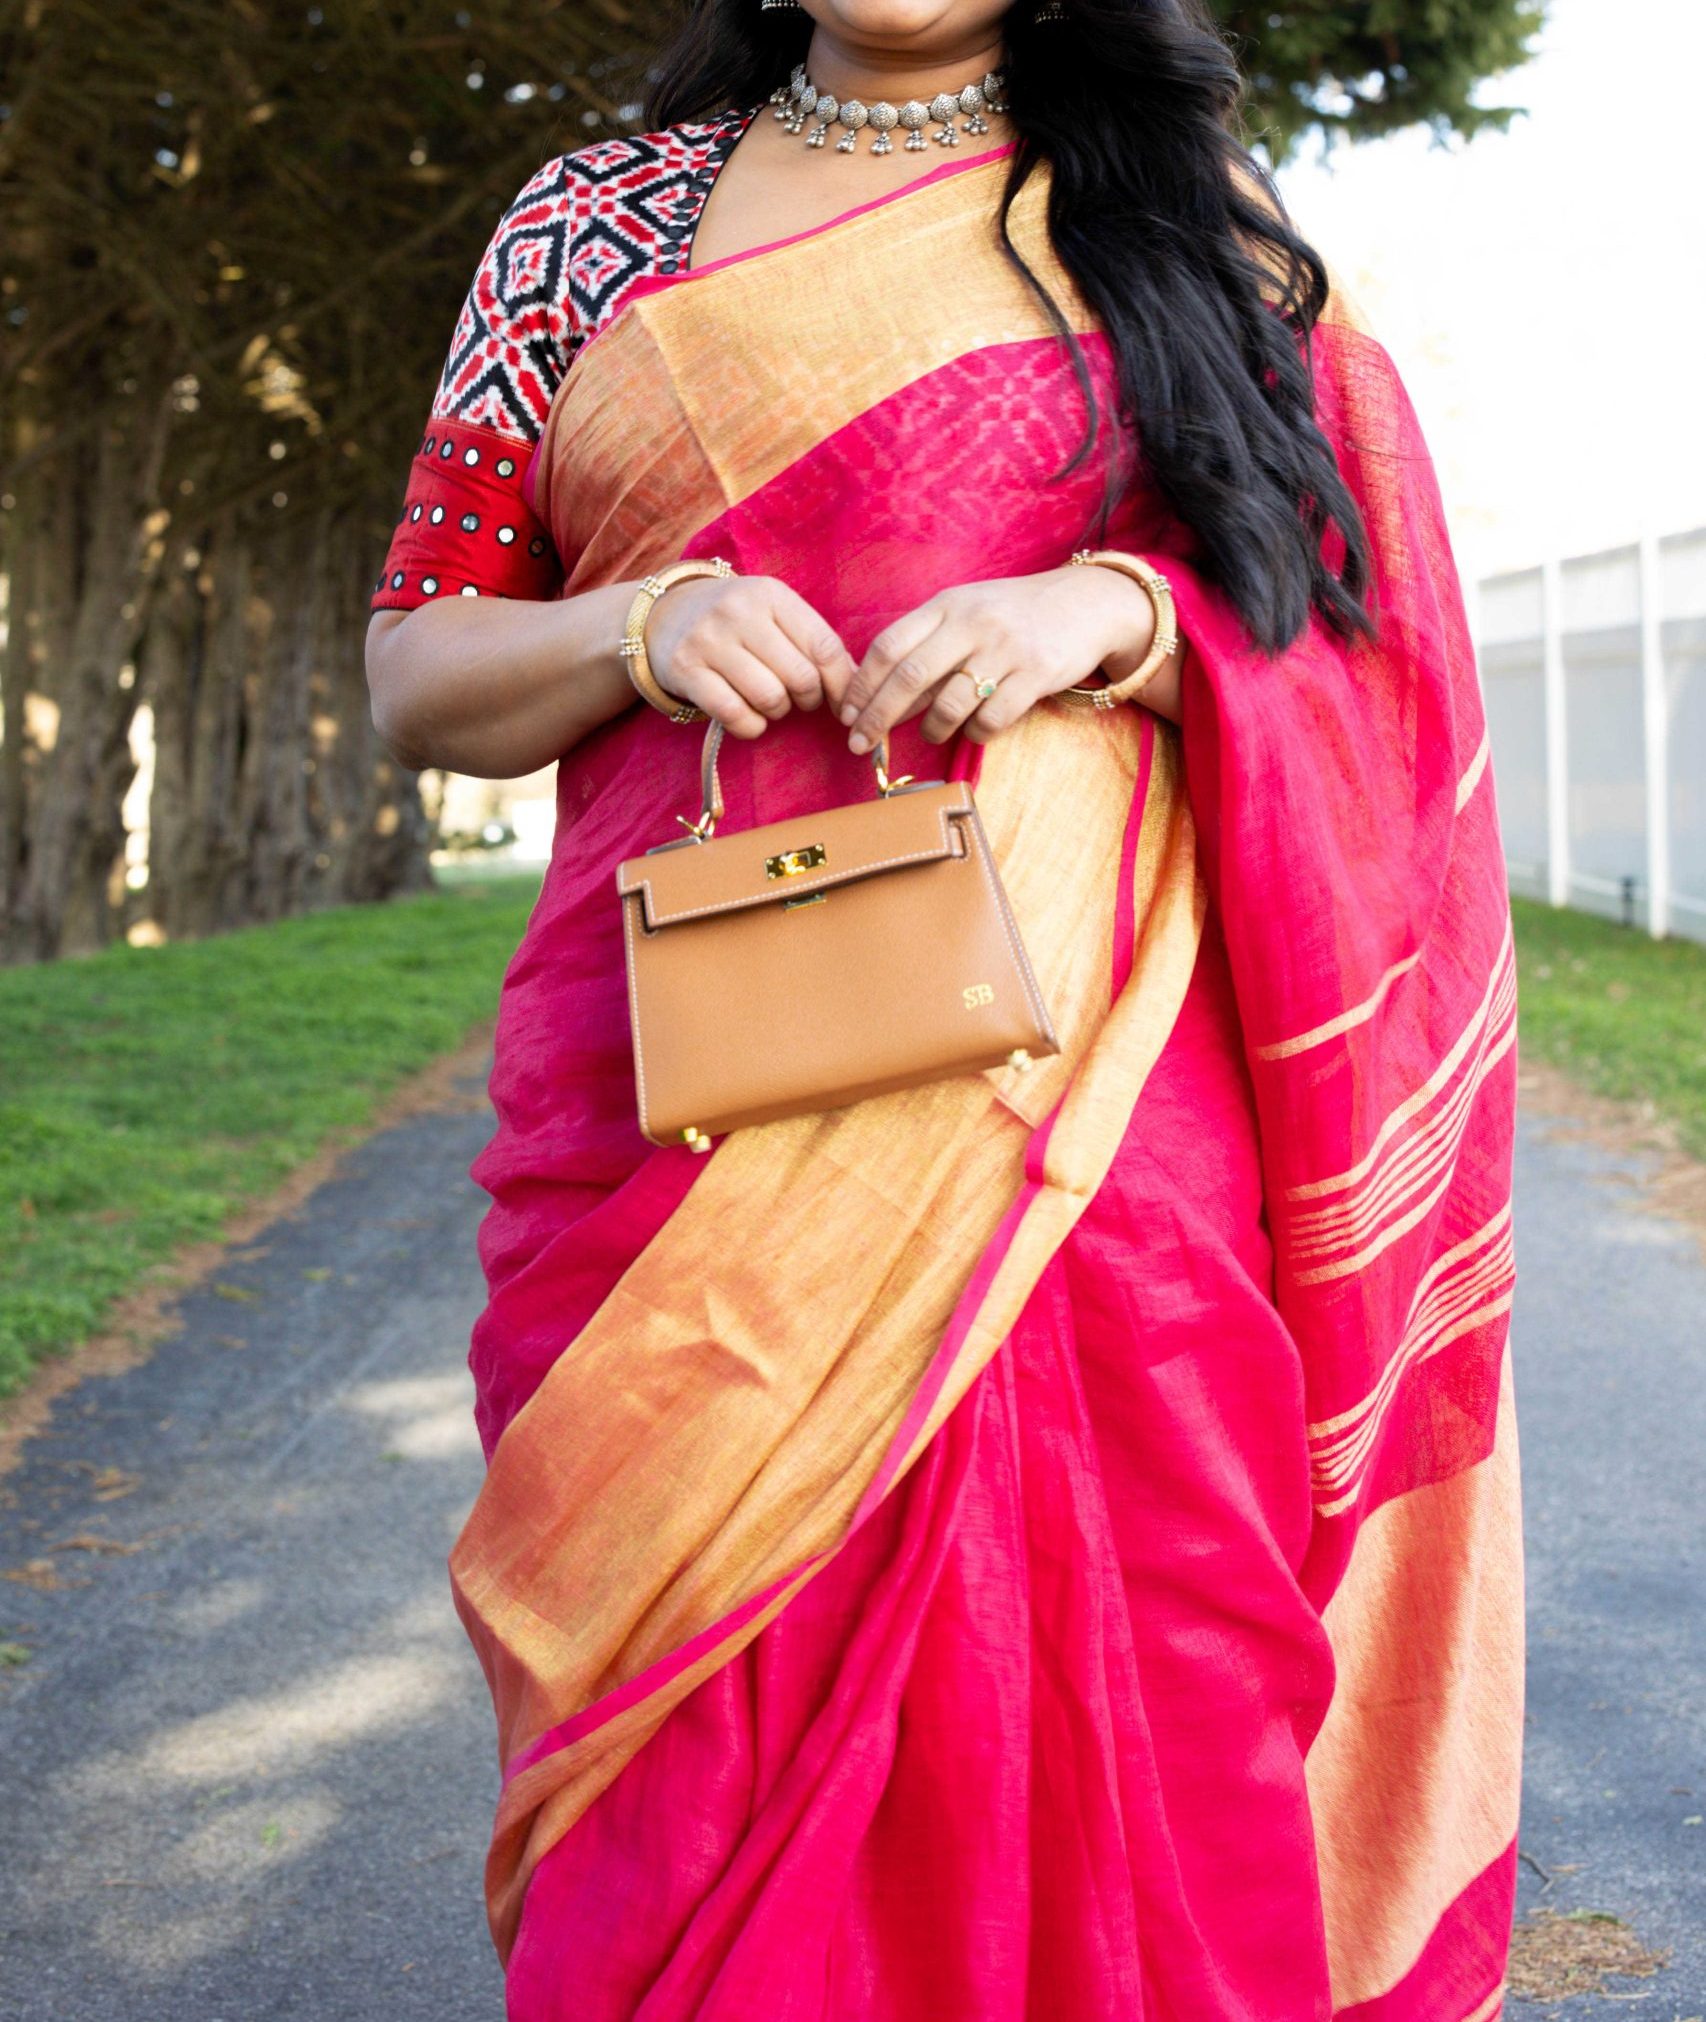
1015, 947
979, 848
634, 1022
798, 885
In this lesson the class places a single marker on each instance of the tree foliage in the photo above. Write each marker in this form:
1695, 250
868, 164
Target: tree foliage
1362, 68
233, 238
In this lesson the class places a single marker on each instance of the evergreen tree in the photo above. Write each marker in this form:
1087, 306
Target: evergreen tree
233, 238
1361, 68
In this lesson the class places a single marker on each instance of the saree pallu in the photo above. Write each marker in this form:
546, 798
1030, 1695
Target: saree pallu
1035, 1545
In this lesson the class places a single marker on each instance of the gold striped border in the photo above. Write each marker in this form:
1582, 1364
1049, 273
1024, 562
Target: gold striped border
1426, 1629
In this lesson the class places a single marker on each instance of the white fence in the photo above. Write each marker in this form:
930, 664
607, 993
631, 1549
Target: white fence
1594, 671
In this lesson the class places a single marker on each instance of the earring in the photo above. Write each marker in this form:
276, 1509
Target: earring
780, 6
1050, 10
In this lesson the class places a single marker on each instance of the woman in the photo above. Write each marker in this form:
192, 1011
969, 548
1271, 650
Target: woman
1040, 1544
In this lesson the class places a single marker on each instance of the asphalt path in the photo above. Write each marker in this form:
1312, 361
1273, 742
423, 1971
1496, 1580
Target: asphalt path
249, 1766
1610, 1358
245, 1756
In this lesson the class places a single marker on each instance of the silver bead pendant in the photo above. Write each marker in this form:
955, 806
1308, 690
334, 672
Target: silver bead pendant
827, 108
784, 95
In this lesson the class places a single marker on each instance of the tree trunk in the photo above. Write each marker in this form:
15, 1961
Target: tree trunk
377, 840
122, 536
40, 560
169, 661
21, 561
95, 902
273, 805
195, 848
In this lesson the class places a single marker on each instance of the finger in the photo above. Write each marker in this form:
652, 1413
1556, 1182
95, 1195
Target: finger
818, 640
955, 700
911, 683
885, 652
1013, 697
753, 680
796, 670
710, 692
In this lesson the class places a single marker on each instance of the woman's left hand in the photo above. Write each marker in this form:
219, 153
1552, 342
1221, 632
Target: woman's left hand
978, 657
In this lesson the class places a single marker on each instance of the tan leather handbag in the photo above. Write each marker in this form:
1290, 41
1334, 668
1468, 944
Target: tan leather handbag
812, 963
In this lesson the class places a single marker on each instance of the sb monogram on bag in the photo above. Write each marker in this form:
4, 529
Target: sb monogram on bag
809, 964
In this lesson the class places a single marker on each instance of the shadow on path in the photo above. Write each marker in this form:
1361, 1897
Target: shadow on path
249, 1760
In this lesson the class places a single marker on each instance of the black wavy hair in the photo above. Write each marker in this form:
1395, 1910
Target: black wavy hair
1178, 241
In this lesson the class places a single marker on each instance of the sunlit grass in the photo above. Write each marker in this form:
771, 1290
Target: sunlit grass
1623, 1015
147, 1094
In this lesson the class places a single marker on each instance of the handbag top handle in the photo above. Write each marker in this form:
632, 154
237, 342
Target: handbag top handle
711, 786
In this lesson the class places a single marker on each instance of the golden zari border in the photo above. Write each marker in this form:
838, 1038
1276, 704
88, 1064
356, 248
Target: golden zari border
674, 413
1415, 1776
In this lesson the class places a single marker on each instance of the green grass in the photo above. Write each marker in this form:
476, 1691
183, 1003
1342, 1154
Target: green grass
147, 1094
1621, 1014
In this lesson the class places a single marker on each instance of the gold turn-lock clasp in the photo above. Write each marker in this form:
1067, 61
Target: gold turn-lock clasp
795, 863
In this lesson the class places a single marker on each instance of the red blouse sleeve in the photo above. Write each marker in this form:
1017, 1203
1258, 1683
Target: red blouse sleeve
467, 527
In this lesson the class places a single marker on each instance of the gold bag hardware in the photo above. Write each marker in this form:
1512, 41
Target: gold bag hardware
795, 863
751, 998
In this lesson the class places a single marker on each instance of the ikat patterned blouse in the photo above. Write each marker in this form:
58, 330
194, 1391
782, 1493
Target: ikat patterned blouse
564, 258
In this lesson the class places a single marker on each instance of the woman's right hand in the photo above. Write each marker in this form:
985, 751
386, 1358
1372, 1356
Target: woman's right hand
746, 650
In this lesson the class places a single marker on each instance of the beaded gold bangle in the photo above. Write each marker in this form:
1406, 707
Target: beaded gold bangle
633, 646
1161, 648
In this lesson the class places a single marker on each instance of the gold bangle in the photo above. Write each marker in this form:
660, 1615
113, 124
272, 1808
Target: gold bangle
633, 646
1162, 646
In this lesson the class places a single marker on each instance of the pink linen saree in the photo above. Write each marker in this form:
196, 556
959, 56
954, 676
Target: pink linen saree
1032, 1546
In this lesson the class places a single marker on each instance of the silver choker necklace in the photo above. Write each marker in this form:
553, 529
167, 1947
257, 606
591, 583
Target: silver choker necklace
800, 100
